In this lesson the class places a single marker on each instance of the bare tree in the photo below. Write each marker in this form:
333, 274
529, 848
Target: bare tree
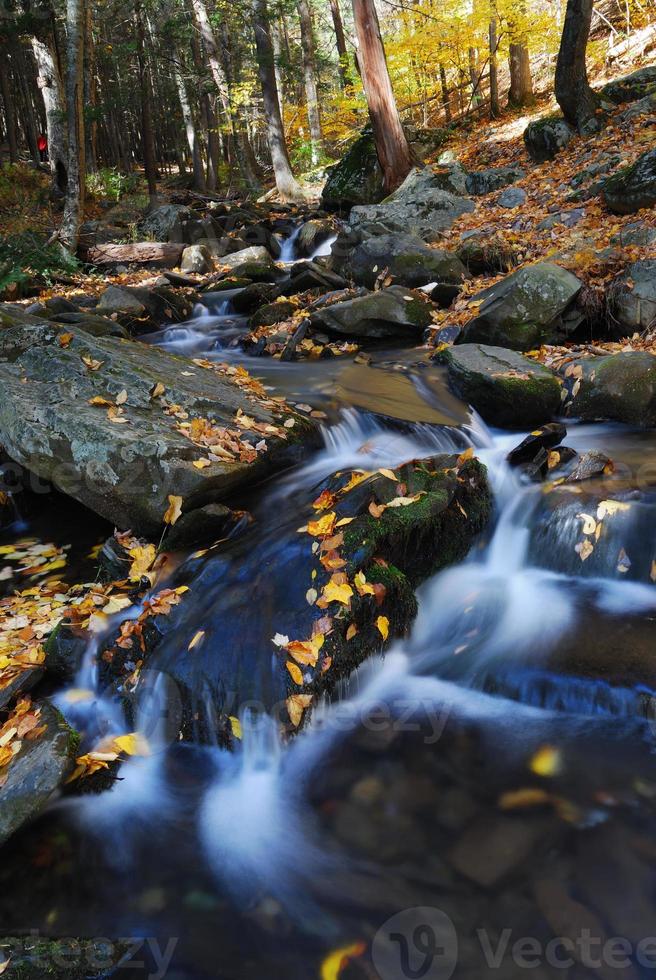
345, 75
309, 76
576, 98
75, 187
392, 147
50, 84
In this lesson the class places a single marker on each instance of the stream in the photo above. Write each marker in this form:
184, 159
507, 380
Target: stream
480, 801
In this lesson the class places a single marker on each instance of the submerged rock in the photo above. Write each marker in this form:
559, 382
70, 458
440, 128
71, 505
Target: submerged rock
36, 772
523, 310
329, 594
392, 312
632, 188
504, 387
102, 419
357, 178
620, 387
406, 260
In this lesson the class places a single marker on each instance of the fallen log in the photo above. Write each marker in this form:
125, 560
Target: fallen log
164, 254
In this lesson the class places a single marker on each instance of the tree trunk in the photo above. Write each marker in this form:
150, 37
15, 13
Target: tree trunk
74, 205
521, 84
345, 76
446, 101
8, 101
495, 109
49, 82
391, 145
90, 93
309, 75
190, 129
285, 181
148, 133
575, 97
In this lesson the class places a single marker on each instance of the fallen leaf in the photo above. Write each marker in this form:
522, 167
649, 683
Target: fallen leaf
296, 706
197, 638
174, 510
336, 961
382, 625
295, 672
546, 761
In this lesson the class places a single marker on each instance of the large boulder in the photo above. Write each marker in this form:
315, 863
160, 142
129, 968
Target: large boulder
142, 309
357, 178
486, 253
404, 258
545, 138
253, 253
481, 182
620, 387
164, 224
632, 298
39, 767
638, 85
314, 233
420, 206
197, 258
523, 310
507, 389
632, 188
392, 312
329, 593
118, 425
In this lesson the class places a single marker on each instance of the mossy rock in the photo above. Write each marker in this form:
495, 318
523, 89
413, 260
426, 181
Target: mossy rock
391, 312
620, 387
40, 958
632, 188
507, 389
272, 313
637, 85
407, 261
545, 138
357, 178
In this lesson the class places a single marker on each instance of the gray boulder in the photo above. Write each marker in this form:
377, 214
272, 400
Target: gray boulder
164, 224
123, 461
313, 234
620, 387
637, 85
523, 310
407, 260
254, 253
357, 178
486, 252
545, 138
632, 188
632, 298
392, 312
481, 182
637, 233
504, 387
36, 772
512, 197
197, 258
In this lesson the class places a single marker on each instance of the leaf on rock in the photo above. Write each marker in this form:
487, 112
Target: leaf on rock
296, 706
382, 625
174, 510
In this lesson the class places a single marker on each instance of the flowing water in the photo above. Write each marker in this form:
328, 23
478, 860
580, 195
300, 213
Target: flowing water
489, 782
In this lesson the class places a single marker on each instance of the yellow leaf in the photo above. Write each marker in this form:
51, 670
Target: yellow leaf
157, 390
142, 557
296, 705
334, 592
201, 464
174, 510
583, 549
589, 523
196, 639
295, 672
390, 474
382, 624
132, 744
521, 798
91, 363
463, 457
361, 584
546, 761
336, 961
101, 402
122, 397
65, 339
351, 631
304, 652
323, 526
610, 507
235, 724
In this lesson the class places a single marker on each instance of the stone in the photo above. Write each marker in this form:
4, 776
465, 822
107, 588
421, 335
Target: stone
164, 224
619, 387
197, 258
126, 471
546, 437
637, 85
632, 298
481, 182
392, 312
523, 310
494, 845
200, 527
512, 197
404, 258
253, 254
313, 234
418, 207
636, 233
357, 178
632, 188
272, 313
36, 773
486, 253
506, 389
545, 138
115, 298
248, 300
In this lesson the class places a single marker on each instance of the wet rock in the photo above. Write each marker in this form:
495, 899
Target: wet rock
504, 387
444, 293
481, 182
620, 387
197, 258
404, 258
310, 275
272, 313
392, 312
588, 466
486, 253
546, 137
114, 299
513, 197
632, 298
200, 527
632, 188
97, 326
525, 309
125, 471
446, 503
632, 87
313, 234
494, 846
357, 178
164, 224
257, 271
546, 437
141, 309
36, 772
254, 296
